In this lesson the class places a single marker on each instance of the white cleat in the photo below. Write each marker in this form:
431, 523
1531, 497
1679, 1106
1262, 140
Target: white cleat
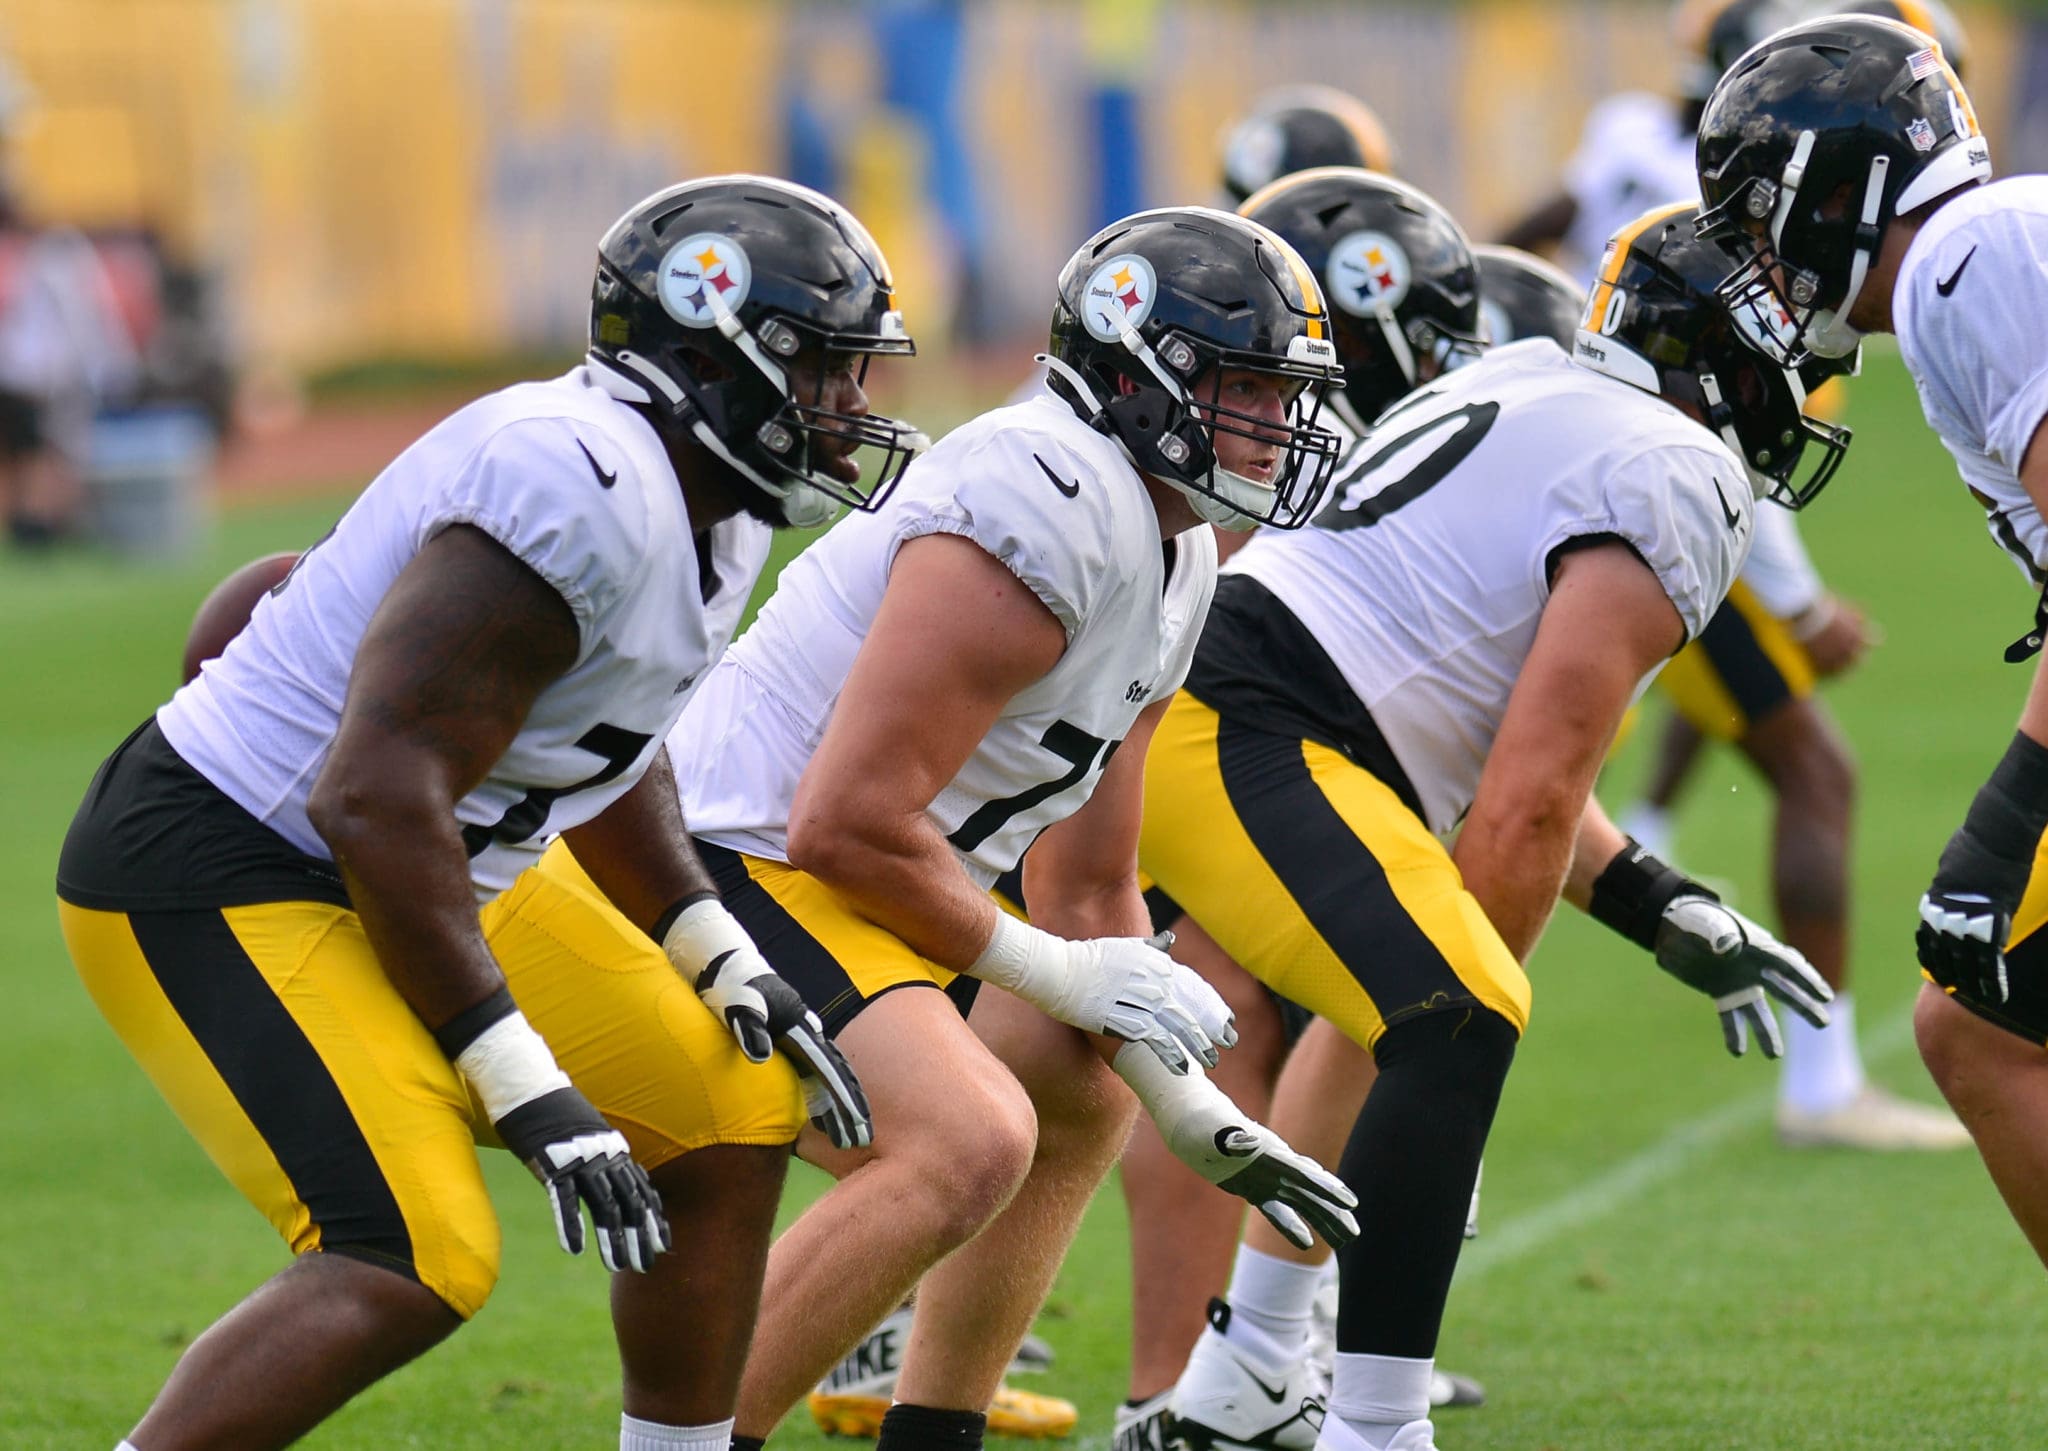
1226, 1399
1873, 1120
1147, 1426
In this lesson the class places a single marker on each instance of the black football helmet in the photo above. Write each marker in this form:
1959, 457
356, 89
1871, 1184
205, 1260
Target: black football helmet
1808, 149
1296, 127
1398, 273
1712, 34
1152, 309
1653, 320
1929, 17
1523, 296
707, 291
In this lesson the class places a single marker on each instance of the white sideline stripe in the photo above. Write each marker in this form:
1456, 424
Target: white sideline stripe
1506, 1243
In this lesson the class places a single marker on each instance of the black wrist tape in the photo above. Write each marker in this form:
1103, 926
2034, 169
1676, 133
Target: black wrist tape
468, 1025
675, 909
1632, 891
1993, 851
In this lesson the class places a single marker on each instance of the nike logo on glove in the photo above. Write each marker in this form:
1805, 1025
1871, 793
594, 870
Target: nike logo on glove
1072, 491
1734, 519
1949, 285
604, 480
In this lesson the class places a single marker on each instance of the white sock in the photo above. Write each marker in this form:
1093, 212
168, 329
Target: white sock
126, 1446
1376, 1395
638, 1435
1272, 1298
1823, 1069
1650, 825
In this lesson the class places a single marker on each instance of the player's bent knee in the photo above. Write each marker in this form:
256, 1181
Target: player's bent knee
1967, 1056
457, 1264
1461, 1053
973, 1159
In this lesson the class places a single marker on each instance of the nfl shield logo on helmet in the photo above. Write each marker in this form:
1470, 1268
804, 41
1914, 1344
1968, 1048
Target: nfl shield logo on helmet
1368, 271
1920, 134
1119, 295
702, 276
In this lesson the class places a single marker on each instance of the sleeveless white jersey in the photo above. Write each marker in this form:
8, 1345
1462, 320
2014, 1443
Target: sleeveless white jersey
577, 486
1062, 508
1634, 154
1971, 310
1425, 575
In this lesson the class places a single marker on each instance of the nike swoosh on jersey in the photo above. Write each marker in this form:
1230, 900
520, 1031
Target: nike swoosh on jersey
1948, 285
604, 480
1072, 491
1734, 519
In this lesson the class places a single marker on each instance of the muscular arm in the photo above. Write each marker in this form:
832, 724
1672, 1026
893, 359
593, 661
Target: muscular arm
1081, 877
461, 645
1600, 841
957, 637
1607, 624
637, 851
2034, 477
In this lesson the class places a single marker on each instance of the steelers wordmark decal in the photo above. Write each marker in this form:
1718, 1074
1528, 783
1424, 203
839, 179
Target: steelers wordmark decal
1119, 294
1368, 270
699, 269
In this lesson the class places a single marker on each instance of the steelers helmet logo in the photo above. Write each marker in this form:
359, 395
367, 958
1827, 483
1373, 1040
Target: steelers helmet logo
702, 275
1368, 270
1119, 295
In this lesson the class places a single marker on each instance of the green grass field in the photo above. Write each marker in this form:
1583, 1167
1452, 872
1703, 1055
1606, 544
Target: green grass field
1652, 1272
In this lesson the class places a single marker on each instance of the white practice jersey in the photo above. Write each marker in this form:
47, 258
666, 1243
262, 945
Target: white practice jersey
1060, 506
1971, 309
576, 485
1634, 154
1779, 570
1425, 575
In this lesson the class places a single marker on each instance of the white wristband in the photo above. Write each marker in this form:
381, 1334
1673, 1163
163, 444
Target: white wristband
701, 933
1023, 960
509, 1065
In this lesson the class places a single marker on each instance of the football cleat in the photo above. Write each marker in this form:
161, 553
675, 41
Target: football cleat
1874, 1120
1225, 1399
1145, 1425
852, 1400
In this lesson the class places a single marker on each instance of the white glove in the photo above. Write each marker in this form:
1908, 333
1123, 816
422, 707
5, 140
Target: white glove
1122, 986
1710, 946
717, 957
1208, 1133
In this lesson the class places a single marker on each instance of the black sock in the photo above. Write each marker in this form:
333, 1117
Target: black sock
748, 1443
924, 1428
1412, 1160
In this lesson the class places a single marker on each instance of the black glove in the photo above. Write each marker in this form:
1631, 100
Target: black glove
584, 1163
1966, 914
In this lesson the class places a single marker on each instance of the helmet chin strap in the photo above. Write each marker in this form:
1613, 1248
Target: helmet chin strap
1397, 341
1340, 404
1827, 333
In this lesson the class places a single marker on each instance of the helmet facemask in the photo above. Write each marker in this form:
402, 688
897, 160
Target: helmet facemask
1759, 410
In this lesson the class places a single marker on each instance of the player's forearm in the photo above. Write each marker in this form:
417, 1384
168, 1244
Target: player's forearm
897, 871
1599, 842
1514, 858
407, 875
1110, 906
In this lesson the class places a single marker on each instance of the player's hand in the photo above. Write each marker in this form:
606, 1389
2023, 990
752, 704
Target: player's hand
766, 1015
1842, 638
583, 1163
1716, 950
1961, 943
1209, 1134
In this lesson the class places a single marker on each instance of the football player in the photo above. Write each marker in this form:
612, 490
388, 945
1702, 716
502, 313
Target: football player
272, 889
1404, 306
1506, 559
1843, 164
931, 688
1749, 678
